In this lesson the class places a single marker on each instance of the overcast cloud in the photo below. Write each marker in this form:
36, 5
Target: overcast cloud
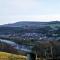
29, 10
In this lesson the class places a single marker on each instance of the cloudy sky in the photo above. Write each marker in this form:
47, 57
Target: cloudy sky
29, 10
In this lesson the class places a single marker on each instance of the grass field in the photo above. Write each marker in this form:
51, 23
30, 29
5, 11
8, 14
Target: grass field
9, 56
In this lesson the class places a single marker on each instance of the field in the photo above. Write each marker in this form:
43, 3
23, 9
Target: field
9, 56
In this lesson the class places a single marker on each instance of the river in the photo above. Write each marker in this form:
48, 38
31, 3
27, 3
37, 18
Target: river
19, 47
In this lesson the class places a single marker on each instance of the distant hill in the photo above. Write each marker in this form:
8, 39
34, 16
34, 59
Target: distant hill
31, 30
26, 24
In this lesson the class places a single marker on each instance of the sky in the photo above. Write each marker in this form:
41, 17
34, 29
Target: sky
29, 10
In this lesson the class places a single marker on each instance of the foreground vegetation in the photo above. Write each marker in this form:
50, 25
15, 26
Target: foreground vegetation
9, 56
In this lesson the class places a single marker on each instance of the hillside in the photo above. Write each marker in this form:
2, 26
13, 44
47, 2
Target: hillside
30, 24
31, 30
9, 56
26, 24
